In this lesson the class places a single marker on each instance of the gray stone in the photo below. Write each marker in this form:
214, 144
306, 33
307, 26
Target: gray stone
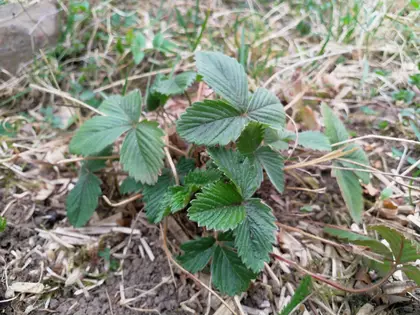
24, 30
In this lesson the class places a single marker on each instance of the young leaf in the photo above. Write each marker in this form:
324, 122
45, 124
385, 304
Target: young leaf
273, 164
177, 84
251, 138
352, 192
130, 185
211, 122
156, 197
179, 197
314, 140
266, 108
197, 253
82, 200
255, 235
404, 250
225, 76
359, 239
154, 98
241, 171
201, 178
96, 134
412, 272
3, 224
218, 207
302, 291
229, 274
142, 152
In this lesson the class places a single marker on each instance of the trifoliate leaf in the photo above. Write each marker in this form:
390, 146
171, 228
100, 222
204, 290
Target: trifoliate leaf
255, 235
82, 200
412, 272
197, 253
211, 122
273, 164
201, 178
251, 138
314, 140
266, 108
177, 84
359, 239
142, 152
228, 272
126, 107
156, 197
218, 207
225, 76
130, 185
240, 170
334, 128
302, 291
404, 250
96, 134
352, 192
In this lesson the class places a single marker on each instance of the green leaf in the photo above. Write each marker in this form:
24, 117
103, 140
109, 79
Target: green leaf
162, 44
266, 108
3, 224
273, 164
412, 272
334, 128
404, 250
96, 134
302, 291
255, 235
156, 197
97, 165
179, 197
360, 157
137, 47
251, 138
177, 84
185, 166
211, 122
278, 139
225, 76
127, 108
229, 274
82, 200
130, 185
218, 207
154, 98
314, 140
142, 152
201, 178
197, 253
359, 239
240, 170
351, 192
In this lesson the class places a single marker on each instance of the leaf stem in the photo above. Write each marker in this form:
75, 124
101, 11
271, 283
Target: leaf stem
335, 284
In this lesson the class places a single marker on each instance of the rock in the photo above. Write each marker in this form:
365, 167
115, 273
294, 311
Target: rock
23, 31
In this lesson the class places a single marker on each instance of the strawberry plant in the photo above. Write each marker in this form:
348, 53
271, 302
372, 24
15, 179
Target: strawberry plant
243, 132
